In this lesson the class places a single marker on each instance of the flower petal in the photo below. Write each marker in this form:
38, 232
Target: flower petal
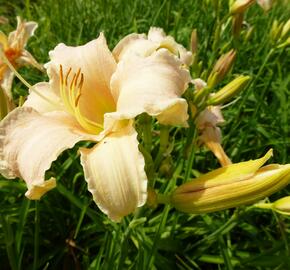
114, 170
6, 82
27, 59
47, 101
18, 38
30, 142
134, 44
144, 46
153, 85
97, 65
157, 35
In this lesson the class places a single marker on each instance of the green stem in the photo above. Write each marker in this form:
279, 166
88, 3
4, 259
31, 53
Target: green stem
164, 136
163, 199
147, 133
191, 158
36, 236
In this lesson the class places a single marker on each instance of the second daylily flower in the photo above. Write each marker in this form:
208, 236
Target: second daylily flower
93, 95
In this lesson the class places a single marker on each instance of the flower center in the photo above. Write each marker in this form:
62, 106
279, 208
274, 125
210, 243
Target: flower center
71, 92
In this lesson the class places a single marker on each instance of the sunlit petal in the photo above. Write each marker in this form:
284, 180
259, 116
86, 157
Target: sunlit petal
30, 142
47, 102
153, 85
114, 170
97, 65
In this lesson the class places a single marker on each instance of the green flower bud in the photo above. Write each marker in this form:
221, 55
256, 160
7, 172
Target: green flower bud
221, 68
231, 186
229, 91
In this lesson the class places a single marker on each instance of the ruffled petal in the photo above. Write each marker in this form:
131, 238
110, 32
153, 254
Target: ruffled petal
153, 85
45, 101
97, 64
114, 170
144, 46
134, 44
30, 142
157, 35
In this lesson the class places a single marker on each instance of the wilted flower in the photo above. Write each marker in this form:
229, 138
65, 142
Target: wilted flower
210, 134
93, 95
13, 47
231, 186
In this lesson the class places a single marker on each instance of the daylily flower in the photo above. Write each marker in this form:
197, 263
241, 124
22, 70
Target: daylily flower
13, 48
93, 95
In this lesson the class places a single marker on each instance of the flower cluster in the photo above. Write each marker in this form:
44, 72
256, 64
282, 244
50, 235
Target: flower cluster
95, 94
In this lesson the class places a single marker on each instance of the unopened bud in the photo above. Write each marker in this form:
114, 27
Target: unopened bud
240, 6
249, 33
3, 20
194, 41
281, 206
276, 29
229, 91
231, 186
285, 29
221, 68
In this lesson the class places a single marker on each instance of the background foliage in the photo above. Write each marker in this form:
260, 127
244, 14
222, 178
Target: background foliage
65, 229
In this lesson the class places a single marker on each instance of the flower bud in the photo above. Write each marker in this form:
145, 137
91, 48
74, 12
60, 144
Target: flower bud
229, 91
3, 20
194, 41
231, 186
282, 205
221, 68
285, 29
240, 6
276, 29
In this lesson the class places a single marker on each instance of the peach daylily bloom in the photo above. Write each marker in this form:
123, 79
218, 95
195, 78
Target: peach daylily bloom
94, 95
13, 47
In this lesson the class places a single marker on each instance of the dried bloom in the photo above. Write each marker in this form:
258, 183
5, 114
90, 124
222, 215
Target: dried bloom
210, 134
13, 48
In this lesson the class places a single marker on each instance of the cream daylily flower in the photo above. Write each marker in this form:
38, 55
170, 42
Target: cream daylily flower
91, 96
13, 48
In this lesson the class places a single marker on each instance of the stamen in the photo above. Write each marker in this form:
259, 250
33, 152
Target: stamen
67, 74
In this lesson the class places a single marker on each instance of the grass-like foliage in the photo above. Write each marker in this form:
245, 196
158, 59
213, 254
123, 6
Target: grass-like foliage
66, 230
